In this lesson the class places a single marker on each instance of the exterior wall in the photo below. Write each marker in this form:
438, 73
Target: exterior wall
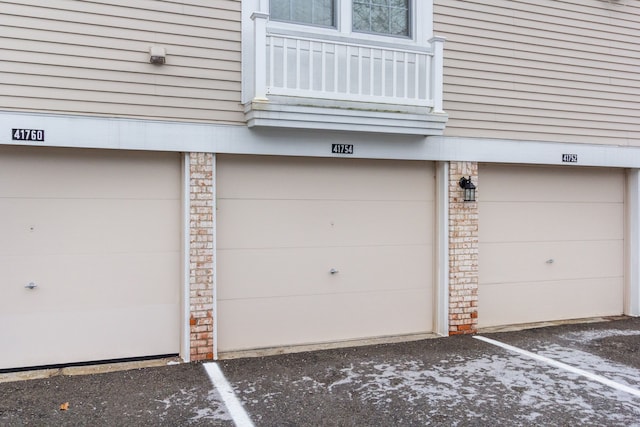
92, 58
562, 71
463, 252
201, 256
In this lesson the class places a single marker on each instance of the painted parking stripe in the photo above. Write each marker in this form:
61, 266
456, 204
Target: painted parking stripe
561, 365
237, 412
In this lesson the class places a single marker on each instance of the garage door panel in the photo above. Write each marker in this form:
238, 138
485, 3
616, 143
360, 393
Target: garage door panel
49, 226
405, 268
76, 282
512, 183
71, 335
98, 232
538, 221
556, 300
321, 318
528, 261
295, 223
68, 173
241, 177
531, 214
292, 220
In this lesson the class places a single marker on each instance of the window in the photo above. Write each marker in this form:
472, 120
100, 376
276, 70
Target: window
315, 12
381, 16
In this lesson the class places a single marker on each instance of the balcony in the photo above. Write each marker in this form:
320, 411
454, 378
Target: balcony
300, 80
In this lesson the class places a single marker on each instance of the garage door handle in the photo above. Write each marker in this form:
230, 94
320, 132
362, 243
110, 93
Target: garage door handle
550, 261
31, 286
333, 271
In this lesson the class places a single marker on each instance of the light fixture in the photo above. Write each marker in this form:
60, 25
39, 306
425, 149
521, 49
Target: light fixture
469, 189
157, 55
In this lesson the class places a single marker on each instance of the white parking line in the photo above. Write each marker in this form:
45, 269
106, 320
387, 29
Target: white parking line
237, 412
561, 365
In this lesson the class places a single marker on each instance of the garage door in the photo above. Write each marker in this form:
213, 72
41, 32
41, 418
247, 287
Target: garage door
551, 243
285, 223
96, 234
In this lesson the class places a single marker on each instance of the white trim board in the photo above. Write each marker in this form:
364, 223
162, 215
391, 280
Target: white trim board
130, 134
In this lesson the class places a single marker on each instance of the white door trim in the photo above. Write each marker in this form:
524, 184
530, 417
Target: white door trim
185, 341
214, 234
632, 235
441, 309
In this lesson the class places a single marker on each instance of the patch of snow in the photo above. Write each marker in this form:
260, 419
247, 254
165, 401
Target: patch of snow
585, 337
189, 398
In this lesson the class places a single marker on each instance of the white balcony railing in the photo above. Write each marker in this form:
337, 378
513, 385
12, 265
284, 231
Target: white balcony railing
309, 67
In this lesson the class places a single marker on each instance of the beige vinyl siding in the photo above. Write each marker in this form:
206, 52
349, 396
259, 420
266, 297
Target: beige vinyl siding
92, 57
564, 71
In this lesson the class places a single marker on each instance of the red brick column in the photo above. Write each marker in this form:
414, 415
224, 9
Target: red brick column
201, 255
463, 252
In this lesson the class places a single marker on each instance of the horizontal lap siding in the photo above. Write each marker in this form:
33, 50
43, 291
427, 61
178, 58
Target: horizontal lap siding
540, 70
92, 57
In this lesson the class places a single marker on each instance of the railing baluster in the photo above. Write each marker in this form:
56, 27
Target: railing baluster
271, 42
395, 73
360, 65
335, 68
311, 65
416, 76
371, 70
406, 75
285, 60
324, 67
383, 61
427, 64
298, 70
348, 76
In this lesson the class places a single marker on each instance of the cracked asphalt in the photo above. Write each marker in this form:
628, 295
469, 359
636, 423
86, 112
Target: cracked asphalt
455, 381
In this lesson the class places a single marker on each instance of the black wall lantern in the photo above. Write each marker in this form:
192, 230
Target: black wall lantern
469, 189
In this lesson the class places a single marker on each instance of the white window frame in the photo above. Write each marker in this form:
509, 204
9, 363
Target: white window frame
420, 35
421, 11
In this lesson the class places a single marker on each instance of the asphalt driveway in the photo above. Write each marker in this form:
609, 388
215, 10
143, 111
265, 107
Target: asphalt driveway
586, 374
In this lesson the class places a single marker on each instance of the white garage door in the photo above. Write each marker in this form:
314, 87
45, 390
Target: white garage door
551, 243
97, 233
285, 223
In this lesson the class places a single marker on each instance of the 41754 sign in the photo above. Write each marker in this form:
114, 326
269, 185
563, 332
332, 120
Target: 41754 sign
342, 148
27, 135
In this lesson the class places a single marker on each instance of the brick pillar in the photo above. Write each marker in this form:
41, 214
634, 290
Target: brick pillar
201, 255
463, 252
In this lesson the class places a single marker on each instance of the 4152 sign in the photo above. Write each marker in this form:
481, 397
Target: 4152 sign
27, 134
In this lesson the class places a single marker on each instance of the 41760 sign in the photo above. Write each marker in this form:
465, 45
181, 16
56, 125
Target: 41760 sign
27, 134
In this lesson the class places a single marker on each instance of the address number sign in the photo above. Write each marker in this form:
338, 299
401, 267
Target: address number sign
27, 134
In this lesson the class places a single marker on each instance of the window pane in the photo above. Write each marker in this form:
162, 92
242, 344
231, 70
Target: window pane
301, 11
399, 22
381, 16
361, 17
316, 12
280, 10
323, 12
380, 19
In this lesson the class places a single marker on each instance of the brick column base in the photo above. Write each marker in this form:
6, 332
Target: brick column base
201, 255
463, 252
